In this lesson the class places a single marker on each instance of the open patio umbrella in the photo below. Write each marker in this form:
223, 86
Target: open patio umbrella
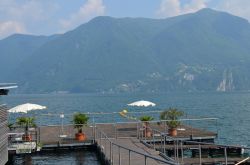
24, 108
142, 103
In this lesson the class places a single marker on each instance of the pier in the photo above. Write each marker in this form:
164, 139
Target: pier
125, 143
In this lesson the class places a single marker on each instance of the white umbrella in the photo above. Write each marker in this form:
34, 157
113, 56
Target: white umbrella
142, 103
24, 108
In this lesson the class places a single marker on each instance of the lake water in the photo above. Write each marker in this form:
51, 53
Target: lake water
232, 109
63, 157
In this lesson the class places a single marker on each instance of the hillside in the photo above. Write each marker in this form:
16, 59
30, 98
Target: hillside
204, 51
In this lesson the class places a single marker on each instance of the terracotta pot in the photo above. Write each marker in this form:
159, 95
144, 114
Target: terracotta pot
80, 136
26, 137
147, 132
172, 132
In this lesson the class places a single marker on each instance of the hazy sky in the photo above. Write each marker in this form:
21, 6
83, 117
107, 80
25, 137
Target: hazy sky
45, 17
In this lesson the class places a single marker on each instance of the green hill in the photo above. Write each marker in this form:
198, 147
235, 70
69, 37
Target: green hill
207, 50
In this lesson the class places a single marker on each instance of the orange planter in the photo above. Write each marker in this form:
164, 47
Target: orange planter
80, 136
172, 132
26, 137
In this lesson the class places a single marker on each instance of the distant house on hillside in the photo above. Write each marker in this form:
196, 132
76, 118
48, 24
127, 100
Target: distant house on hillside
4, 89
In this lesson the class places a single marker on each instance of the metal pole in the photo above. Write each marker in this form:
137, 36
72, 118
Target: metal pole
129, 157
105, 148
164, 143
225, 152
174, 143
137, 129
177, 150
101, 139
200, 153
115, 132
181, 152
145, 158
112, 159
161, 142
119, 150
154, 138
110, 153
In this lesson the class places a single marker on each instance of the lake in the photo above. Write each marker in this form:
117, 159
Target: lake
232, 109
62, 157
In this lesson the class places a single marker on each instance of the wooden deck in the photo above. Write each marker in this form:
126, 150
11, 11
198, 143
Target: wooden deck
53, 134
126, 134
134, 158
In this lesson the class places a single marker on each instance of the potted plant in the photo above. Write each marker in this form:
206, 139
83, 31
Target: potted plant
80, 120
26, 122
172, 116
145, 119
11, 126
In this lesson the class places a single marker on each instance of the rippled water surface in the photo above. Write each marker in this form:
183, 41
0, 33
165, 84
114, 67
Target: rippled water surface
232, 109
66, 157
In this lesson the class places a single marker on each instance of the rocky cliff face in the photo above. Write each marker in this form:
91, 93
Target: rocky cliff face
226, 83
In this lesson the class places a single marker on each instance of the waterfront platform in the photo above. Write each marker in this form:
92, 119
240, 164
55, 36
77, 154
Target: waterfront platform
127, 142
125, 156
60, 135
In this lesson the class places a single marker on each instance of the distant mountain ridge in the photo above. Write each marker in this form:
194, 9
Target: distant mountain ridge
203, 51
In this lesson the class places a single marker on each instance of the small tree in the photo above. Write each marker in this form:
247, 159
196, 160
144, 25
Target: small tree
146, 118
172, 116
26, 122
80, 120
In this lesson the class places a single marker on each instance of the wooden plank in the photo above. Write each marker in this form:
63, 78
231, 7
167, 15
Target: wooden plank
123, 156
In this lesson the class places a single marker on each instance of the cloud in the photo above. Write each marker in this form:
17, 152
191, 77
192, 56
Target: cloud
169, 8
240, 8
87, 11
26, 10
9, 27
24, 16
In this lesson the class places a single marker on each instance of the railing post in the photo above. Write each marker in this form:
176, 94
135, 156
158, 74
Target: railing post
110, 153
161, 142
174, 142
115, 132
182, 153
145, 158
119, 150
154, 139
112, 159
164, 143
225, 152
200, 153
177, 150
137, 129
129, 157
105, 147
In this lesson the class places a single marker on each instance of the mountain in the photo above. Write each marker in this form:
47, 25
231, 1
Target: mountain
203, 51
16, 49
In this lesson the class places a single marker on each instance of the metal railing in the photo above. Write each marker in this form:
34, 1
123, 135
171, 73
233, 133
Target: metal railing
225, 150
160, 141
109, 147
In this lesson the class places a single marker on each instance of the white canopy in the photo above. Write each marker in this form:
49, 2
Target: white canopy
142, 103
24, 108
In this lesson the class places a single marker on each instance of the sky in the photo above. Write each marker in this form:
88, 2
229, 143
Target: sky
47, 17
